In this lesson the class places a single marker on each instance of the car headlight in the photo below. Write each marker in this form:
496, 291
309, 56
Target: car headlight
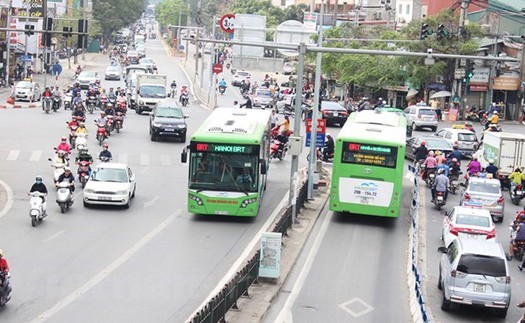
121, 192
156, 124
182, 126
141, 102
89, 191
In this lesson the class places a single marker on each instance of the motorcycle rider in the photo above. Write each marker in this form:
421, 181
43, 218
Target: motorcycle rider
440, 158
105, 154
222, 83
39, 186
67, 176
248, 104
493, 120
430, 163
492, 169
444, 167
4, 278
520, 237
455, 167
329, 147
421, 152
183, 92
455, 154
57, 94
173, 87
47, 94
79, 112
469, 126
103, 119
81, 129
109, 110
474, 166
273, 118
111, 94
441, 184
64, 146
516, 177
77, 99
60, 158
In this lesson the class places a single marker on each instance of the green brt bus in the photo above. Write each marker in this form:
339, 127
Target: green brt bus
228, 161
367, 175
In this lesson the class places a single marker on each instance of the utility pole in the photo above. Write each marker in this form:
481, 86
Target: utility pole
213, 53
313, 128
462, 18
178, 31
197, 42
8, 44
335, 11
84, 9
26, 40
44, 7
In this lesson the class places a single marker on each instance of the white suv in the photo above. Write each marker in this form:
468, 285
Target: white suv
421, 116
240, 76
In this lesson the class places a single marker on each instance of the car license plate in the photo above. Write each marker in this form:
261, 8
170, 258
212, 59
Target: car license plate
104, 198
480, 288
169, 130
222, 212
473, 236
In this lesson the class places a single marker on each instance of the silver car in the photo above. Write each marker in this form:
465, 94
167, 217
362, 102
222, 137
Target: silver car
28, 91
262, 98
485, 193
87, 78
476, 273
113, 72
421, 116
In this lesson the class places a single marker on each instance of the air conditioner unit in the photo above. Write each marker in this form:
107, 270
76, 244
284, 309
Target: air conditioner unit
377, 15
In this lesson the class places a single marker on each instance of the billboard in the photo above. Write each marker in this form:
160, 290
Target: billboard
252, 29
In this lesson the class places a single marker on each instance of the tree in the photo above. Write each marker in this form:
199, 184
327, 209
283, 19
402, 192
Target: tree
167, 12
113, 15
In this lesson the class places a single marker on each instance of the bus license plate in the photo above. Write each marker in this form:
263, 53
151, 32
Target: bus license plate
222, 212
480, 288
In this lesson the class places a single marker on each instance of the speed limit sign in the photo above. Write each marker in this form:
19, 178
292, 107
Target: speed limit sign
228, 23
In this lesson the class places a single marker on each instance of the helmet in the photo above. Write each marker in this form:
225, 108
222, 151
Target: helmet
105, 145
491, 161
102, 113
423, 143
61, 153
470, 123
67, 169
467, 123
431, 153
454, 160
64, 138
328, 134
441, 171
81, 124
38, 178
495, 113
109, 105
438, 152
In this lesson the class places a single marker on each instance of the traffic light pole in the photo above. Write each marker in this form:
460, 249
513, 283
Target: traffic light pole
8, 44
44, 39
26, 39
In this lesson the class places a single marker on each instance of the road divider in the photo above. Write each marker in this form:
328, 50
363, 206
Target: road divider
20, 106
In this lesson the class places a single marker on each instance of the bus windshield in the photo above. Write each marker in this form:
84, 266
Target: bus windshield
223, 172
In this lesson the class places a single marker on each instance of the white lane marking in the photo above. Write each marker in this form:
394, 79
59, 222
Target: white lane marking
144, 159
123, 158
9, 201
165, 160
285, 316
53, 236
35, 155
150, 203
365, 308
242, 258
60, 305
13, 154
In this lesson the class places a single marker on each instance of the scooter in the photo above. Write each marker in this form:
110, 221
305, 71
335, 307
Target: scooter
91, 104
72, 134
67, 100
101, 133
5, 288
431, 176
57, 102
36, 207
439, 201
222, 89
320, 156
81, 141
454, 183
64, 196
517, 194
47, 104
278, 149
184, 99
118, 121
58, 169
83, 172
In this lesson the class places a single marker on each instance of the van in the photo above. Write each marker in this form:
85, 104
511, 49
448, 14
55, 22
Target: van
474, 273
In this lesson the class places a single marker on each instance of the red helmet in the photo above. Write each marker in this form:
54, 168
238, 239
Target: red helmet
423, 143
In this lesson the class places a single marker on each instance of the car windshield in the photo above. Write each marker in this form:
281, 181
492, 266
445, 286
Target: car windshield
426, 111
482, 265
113, 68
243, 74
470, 219
467, 137
434, 143
24, 85
146, 61
169, 113
102, 174
484, 187
87, 74
152, 91
264, 93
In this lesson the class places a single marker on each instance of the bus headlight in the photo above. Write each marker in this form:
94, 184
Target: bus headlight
247, 202
196, 199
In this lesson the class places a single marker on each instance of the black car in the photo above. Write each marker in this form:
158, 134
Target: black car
433, 143
168, 120
333, 113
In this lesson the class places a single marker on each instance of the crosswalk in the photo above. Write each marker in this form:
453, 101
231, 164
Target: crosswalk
142, 159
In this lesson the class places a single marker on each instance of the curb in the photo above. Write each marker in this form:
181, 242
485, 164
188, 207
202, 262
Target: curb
19, 106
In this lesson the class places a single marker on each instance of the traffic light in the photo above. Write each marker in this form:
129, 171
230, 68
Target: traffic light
82, 29
48, 24
441, 32
424, 32
29, 30
67, 31
469, 70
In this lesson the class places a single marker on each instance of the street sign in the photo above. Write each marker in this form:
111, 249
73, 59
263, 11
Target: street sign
320, 136
319, 141
217, 68
456, 99
459, 73
321, 125
27, 58
227, 23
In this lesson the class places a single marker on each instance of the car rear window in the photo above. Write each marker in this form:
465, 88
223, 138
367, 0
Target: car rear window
264, 93
426, 111
467, 137
243, 73
484, 187
482, 265
469, 219
440, 144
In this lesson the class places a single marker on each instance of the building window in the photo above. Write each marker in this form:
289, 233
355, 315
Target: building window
408, 9
400, 8
283, 3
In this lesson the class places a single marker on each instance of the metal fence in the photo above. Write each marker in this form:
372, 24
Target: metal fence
217, 307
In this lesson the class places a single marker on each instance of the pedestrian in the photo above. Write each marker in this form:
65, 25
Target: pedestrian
274, 119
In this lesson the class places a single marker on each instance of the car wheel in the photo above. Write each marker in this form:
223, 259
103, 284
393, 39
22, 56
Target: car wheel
502, 313
414, 127
440, 287
126, 206
134, 190
183, 139
445, 304
152, 137
434, 129
85, 204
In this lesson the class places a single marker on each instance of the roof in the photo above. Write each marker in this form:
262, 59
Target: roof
371, 133
387, 118
471, 210
505, 135
484, 180
481, 247
459, 130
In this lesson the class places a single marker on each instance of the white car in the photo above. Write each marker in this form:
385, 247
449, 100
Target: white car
240, 76
113, 72
468, 223
110, 184
466, 140
29, 91
87, 78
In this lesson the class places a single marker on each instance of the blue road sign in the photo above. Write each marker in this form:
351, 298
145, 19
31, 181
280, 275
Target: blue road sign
319, 142
56, 69
26, 58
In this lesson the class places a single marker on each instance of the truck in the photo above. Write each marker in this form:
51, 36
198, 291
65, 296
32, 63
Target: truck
150, 89
505, 148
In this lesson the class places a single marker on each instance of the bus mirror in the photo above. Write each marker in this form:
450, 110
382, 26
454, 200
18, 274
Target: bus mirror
264, 167
184, 155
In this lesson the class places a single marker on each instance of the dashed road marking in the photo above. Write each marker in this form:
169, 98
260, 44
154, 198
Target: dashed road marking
144, 159
35, 155
13, 155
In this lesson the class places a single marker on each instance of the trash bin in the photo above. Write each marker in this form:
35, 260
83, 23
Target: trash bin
444, 116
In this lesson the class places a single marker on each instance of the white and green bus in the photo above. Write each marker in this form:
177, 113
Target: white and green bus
228, 162
369, 157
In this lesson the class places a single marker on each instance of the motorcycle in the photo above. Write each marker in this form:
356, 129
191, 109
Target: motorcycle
517, 194
83, 172
222, 89
118, 121
278, 149
184, 99
320, 156
454, 183
101, 133
67, 100
173, 91
5, 288
81, 141
91, 104
439, 201
72, 134
111, 124
430, 177
64, 196
57, 102
48, 101
36, 207
112, 100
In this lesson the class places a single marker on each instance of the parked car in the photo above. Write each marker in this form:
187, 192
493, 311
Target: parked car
333, 113
262, 98
240, 76
110, 184
168, 120
27, 91
475, 273
421, 116
432, 143
113, 72
466, 140
468, 223
87, 78
485, 193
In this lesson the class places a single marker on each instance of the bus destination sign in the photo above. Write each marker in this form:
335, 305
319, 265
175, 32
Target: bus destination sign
366, 154
224, 148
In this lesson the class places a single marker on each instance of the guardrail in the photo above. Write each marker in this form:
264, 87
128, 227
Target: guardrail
417, 301
217, 307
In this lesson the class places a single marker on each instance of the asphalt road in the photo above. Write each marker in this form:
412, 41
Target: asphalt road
153, 262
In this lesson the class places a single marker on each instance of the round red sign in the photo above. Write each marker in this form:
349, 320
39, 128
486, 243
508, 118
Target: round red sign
217, 68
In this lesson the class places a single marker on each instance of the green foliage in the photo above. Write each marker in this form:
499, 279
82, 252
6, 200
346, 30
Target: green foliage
113, 15
274, 15
167, 12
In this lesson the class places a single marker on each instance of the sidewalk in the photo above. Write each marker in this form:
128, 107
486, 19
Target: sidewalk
66, 77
